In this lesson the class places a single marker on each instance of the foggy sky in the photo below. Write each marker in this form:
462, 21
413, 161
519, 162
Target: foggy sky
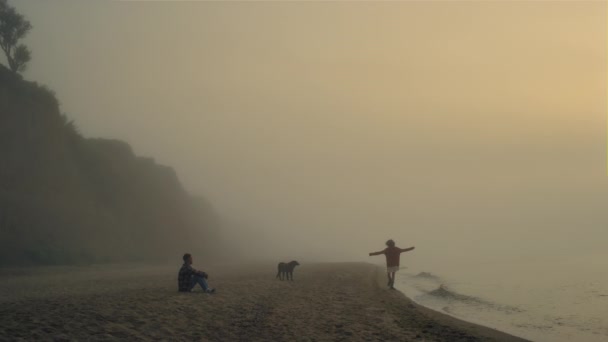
472, 130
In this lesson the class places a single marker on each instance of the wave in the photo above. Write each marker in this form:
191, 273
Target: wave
427, 275
453, 297
443, 292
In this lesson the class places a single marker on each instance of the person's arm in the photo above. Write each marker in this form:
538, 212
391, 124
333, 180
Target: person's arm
193, 271
199, 273
407, 249
377, 253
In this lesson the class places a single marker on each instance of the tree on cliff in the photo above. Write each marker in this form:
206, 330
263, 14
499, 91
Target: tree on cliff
13, 27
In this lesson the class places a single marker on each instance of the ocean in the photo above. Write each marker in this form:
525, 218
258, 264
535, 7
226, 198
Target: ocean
554, 299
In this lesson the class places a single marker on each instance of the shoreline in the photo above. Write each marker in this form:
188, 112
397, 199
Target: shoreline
326, 302
444, 320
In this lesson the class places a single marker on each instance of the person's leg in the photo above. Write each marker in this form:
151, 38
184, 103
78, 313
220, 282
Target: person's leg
392, 279
388, 275
196, 279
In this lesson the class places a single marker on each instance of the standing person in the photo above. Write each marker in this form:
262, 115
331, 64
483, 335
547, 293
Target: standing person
393, 254
188, 277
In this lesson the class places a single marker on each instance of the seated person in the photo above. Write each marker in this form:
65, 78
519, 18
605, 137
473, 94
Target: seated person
188, 277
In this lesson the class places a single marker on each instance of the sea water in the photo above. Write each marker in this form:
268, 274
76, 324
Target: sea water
553, 299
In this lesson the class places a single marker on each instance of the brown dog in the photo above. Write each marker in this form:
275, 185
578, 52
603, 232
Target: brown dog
286, 269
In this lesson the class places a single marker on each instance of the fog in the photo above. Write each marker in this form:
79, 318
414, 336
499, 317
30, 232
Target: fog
318, 130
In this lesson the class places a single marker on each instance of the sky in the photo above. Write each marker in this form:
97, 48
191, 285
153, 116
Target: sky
472, 130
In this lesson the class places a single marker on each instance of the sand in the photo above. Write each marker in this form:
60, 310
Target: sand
326, 302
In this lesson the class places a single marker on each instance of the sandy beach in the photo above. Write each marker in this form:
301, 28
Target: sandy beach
326, 302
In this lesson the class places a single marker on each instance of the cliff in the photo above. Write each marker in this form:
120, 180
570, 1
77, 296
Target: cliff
68, 199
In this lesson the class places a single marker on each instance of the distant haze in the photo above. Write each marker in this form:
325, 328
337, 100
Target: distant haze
472, 130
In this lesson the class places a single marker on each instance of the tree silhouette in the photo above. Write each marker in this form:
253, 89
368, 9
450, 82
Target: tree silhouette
13, 27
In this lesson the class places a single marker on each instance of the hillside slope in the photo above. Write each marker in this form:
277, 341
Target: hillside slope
66, 199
